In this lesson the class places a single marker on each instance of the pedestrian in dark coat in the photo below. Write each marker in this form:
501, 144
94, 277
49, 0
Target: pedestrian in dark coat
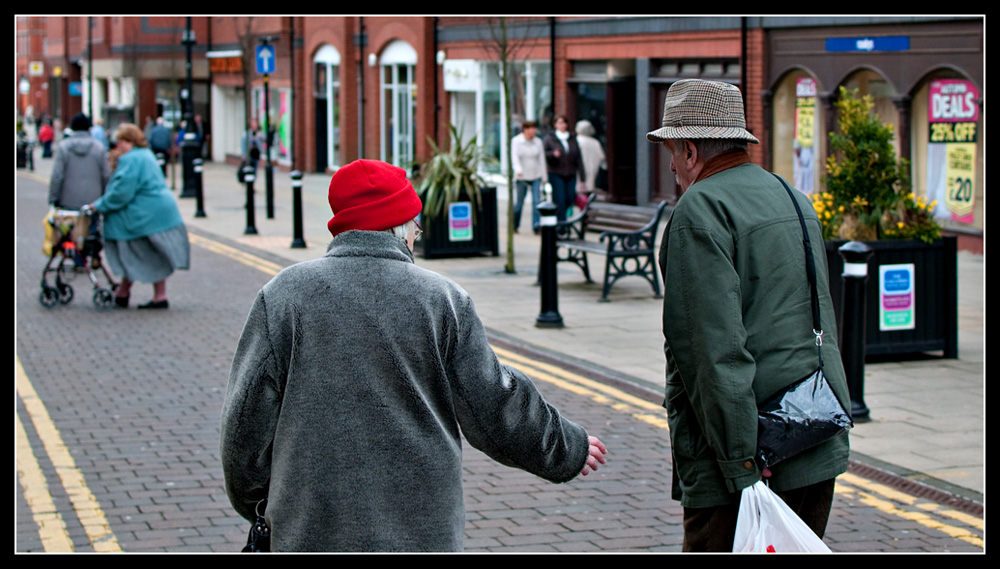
564, 164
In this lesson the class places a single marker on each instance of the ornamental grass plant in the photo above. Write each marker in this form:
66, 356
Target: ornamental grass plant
451, 176
868, 193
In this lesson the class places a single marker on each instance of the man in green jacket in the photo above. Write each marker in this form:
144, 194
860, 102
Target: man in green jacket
737, 323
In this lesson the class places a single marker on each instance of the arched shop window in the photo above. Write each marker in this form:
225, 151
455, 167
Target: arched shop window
868, 82
798, 140
326, 93
397, 103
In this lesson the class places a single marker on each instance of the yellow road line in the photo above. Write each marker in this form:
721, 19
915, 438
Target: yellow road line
87, 508
639, 409
51, 526
235, 254
885, 504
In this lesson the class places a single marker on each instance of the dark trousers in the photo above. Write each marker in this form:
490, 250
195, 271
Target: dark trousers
714, 528
563, 193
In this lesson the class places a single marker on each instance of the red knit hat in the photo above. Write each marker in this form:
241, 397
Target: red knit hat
371, 196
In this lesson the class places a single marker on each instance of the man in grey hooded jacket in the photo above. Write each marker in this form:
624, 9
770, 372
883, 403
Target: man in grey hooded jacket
354, 379
80, 170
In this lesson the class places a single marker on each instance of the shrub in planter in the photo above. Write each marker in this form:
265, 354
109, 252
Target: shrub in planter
868, 198
453, 176
868, 195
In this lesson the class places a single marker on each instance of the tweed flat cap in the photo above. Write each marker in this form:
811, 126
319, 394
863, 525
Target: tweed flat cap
695, 108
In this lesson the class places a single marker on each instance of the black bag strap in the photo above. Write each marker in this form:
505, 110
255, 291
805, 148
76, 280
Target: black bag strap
810, 270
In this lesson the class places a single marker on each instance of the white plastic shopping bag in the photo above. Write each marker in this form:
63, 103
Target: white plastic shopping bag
767, 524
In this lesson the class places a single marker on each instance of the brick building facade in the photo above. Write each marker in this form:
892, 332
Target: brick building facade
346, 87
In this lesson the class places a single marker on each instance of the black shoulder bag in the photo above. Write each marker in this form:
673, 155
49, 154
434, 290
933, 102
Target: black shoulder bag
807, 412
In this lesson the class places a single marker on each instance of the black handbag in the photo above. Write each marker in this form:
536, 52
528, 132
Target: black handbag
259, 539
806, 413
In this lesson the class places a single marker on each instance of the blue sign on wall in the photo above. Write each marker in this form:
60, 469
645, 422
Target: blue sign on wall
887, 43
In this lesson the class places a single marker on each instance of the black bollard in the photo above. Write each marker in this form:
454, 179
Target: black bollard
199, 210
298, 242
161, 158
853, 309
189, 153
549, 316
248, 177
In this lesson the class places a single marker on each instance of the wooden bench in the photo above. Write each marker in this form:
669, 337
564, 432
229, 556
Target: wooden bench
626, 237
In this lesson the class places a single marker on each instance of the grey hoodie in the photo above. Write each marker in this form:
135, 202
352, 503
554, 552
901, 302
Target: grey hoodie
80, 171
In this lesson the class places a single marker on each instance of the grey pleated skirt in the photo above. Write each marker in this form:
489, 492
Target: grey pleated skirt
150, 259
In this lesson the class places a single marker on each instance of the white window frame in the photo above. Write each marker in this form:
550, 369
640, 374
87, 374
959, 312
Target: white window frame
400, 149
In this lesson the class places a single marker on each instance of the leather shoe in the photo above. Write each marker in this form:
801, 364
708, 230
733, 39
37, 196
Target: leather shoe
154, 304
121, 301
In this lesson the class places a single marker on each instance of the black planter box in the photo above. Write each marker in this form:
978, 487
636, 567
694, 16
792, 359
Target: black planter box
435, 243
935, 282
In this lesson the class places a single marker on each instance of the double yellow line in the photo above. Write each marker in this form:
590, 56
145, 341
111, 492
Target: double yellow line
52, 527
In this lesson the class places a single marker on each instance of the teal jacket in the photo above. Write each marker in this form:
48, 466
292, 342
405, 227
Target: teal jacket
137, 201
737, 326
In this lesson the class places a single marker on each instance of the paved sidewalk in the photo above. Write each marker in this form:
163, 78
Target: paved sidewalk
927, 416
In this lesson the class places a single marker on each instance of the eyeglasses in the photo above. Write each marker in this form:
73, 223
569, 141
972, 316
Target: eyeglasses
418, 231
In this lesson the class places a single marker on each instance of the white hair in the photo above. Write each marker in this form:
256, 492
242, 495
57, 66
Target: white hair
403, 231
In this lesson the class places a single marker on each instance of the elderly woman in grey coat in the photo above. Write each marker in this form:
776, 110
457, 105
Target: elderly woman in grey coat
356, 376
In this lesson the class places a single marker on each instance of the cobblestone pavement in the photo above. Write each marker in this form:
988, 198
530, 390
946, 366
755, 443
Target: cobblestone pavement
120, 410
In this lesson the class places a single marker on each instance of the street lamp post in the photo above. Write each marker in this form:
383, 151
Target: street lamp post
190, 147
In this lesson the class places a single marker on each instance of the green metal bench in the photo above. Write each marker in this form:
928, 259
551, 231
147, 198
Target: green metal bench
626, 236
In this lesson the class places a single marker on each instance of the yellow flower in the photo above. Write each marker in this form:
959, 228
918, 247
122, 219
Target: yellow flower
900, 225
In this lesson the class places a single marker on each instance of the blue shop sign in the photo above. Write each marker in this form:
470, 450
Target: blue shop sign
887, 43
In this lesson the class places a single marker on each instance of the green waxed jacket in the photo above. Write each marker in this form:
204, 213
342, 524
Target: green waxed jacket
737, 327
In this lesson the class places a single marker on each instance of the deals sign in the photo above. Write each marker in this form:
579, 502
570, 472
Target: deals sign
951, 152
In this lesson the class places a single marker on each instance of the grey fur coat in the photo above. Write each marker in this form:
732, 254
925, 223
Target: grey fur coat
351, 383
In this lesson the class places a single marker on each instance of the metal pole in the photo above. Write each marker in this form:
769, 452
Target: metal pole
298, 242
853, 325
248, 177
268, 141
549, 316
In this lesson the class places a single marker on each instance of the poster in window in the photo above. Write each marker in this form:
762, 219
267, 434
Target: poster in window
951, 150
805, 133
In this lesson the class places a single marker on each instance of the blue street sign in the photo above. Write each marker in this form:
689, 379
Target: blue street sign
265, 59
